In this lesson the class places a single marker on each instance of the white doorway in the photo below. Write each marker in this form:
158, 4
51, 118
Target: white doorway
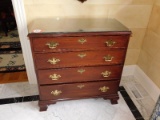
18, 7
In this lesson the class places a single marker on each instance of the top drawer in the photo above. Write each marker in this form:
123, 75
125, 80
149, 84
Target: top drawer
58, 44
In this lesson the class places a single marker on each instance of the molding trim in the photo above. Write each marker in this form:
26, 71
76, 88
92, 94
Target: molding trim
20, 16
147, 83
143, 79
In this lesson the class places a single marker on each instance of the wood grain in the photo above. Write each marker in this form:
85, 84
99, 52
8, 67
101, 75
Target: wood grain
74, 91
71, 59
71, 75
61, 54
74, 44
13, 77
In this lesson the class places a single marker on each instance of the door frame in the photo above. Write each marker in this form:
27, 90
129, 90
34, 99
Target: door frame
20, 16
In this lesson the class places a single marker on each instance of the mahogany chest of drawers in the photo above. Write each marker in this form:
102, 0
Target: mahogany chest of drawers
78, 58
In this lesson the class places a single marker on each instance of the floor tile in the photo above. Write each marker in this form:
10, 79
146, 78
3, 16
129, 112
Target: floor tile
144, 103
85, 109
11, 90
133, 93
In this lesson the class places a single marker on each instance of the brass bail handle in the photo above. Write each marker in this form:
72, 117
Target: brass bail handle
106, 74
110, 43
81, 86
82, 55
108, 58
104, 89
82, 40
52, 45
54, 76
81, 71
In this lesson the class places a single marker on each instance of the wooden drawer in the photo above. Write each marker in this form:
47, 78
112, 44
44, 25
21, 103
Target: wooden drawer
75, 59
82, 74
78, 90
58, 44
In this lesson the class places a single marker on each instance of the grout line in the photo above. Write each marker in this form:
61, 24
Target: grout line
122, 90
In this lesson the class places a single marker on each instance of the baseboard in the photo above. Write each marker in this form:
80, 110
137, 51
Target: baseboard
128, 70
143, 79
147, 83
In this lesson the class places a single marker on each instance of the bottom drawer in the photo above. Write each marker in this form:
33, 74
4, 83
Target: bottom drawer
78, 90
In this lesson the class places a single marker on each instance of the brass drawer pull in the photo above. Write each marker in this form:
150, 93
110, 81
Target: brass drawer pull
53, 61
81, 71
110, 43
82, 40
106, 74
82, 55
104, 89
81, 86
54, 76
108, 58
52, 45
56, 92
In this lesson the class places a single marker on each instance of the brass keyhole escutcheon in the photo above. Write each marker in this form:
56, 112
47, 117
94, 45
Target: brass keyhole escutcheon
53, 61
81, 86
81, 71
104, 89
56, 92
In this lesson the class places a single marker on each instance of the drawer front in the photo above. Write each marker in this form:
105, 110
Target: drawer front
74, 59
78, 90
57, 44
70, 75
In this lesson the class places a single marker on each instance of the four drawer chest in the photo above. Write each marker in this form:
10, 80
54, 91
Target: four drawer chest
78, 58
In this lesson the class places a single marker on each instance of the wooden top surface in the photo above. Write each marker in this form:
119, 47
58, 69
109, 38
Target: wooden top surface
57, 25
